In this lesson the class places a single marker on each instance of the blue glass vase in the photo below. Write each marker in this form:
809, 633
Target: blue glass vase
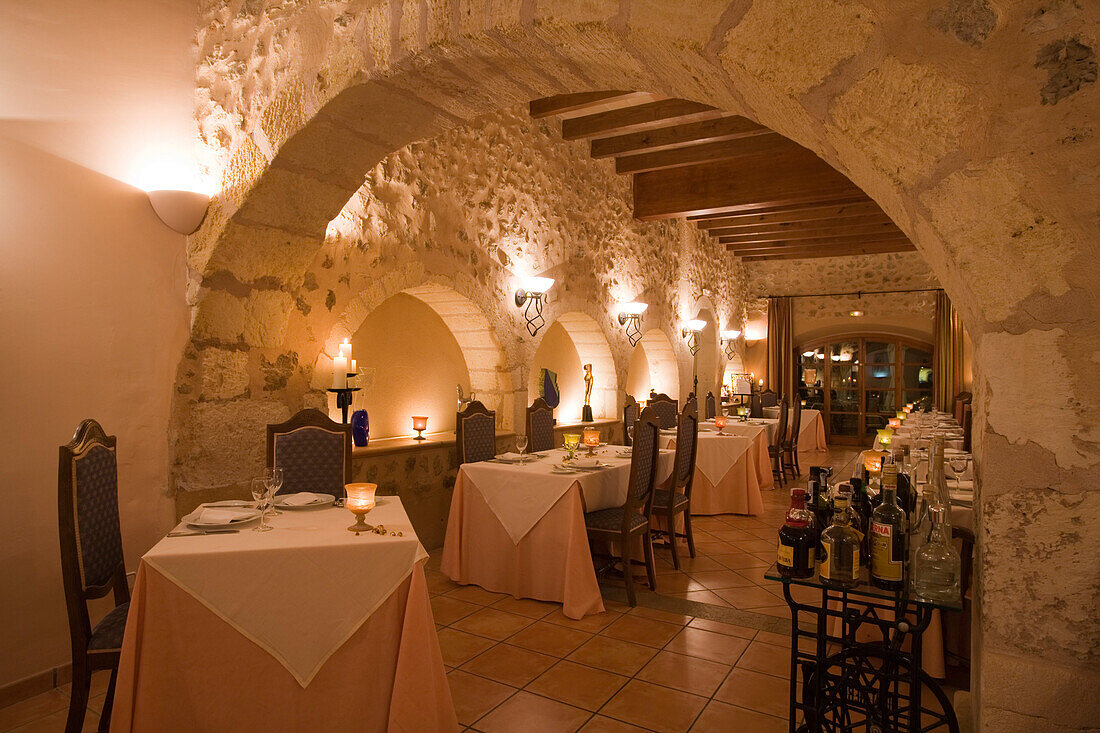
360, 428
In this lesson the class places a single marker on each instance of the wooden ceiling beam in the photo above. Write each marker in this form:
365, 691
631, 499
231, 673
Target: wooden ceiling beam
819, 241
673, 136
690, 155
811, 212
847, 251
801, 226
638, 117
562, 103
753, 183
876, 230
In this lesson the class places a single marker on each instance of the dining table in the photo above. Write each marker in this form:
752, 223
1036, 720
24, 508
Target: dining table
731, 467
307, 626
811, 430
516, 525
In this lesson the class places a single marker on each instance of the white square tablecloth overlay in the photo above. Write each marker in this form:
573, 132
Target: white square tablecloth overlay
300, 590
716, 454
521, 494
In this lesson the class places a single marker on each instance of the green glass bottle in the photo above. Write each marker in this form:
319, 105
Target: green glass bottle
888, 527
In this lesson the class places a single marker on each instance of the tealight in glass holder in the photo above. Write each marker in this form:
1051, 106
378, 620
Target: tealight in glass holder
720, 422
360, 500
591, 440
570, 442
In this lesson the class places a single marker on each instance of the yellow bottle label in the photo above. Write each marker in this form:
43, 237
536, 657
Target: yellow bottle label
855, 562
883, 564
786, 555
823, 559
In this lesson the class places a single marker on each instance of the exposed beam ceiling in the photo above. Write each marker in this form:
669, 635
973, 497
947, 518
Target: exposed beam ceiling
760, 194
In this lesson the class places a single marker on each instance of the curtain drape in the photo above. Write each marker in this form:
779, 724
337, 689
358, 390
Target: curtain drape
947, 353
780, 348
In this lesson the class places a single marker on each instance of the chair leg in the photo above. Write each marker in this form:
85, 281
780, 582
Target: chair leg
628, 570
108, 703
78, 698
650, 563
671, 519
688, 532
797, 467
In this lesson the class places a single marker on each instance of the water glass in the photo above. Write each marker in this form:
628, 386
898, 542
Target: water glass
274, 478
521, 446
260, 494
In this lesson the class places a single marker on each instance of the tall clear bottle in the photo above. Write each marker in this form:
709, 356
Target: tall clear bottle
937, 479
839, 562
888, 527
937, 567
920, 528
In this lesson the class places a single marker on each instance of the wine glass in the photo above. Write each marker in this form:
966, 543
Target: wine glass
274, 478
521, 446
259, 493
630, 435
958, 465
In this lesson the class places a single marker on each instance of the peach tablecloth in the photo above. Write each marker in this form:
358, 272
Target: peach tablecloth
811, 432
551, 562
738, 491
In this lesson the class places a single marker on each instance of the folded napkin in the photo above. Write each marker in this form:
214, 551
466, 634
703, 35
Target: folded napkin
224, 515
510, 456
586, 462
302, 498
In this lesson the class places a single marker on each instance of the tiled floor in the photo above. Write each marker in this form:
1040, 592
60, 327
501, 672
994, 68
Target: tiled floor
520, 665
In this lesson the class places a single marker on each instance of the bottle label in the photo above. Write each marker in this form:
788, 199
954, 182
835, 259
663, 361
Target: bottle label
785, 555
855, 562
883, 564
826, 550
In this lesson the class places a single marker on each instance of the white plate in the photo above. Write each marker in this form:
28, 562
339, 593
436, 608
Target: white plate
321, 501
252, 515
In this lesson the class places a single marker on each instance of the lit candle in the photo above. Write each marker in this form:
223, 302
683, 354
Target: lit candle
359, 501
420, 424
720, 422
345, 351
339, 372
591, 439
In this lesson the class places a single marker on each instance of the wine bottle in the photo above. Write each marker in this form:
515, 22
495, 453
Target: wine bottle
861, 503
796, 554
839, 564
888, 528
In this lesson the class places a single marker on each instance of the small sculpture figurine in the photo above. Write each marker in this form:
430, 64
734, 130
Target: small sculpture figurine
586, 414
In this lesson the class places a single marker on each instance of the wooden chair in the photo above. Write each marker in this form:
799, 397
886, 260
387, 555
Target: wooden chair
667, 503
961, 399
630, 522
665, 408
967, 424
313, 451
540, 426
790, 443
756, 407
475, 433
711, 409
775, 449
768, 398
91, 562
630, 416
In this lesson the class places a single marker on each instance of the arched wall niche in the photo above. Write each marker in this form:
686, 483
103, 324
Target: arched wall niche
965, 142
571, 341
663, 368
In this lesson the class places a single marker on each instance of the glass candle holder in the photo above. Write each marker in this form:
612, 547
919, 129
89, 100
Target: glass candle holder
420, 424
360, 500
895, 423
591, 440
720, 422
570, 441
743, 413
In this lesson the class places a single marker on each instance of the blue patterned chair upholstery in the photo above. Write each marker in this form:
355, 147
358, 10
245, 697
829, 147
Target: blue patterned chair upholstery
540, 426
768, 398
475, 433
313, 451
664, 407
668, 503
92, 564
712, 408
630, 416
756, 407
622, 524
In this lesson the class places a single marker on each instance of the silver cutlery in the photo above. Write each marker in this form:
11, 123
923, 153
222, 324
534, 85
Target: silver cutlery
192, 533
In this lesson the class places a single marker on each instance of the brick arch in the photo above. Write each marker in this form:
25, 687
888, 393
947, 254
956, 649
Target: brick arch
981, 174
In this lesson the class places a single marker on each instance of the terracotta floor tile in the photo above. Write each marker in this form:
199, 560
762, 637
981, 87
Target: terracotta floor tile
509, 665
783, 640
783, 611
476, 594
613, 655
492, 623
600, 724
678, 582
458, 646
641, 630
549, 639
577, 685
447, 610
658, 615
756, 576
718, 579
592, 623
32, 708
718, 627
689, 674
766, 658
740, 560
755, 545
722, 718
474, 696
715, 547
699, 563
734, 535
438, 582
708, 645
55, 722
526, 607
755, 691
532, 714
656, 708
749, 597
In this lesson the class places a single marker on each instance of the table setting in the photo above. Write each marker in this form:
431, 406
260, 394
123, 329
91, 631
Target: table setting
517, 526
285, 595
731, 466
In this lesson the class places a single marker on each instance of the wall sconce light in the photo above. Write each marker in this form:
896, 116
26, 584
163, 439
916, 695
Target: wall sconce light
630, 315
728, 339
856, 313
182, 211
531, 292
690, 331
420, 424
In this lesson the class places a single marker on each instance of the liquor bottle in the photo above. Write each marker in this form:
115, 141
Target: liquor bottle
839, 562
888, 527
937, 479
819, 496
861, 503
796, 555
937, 567
920, 530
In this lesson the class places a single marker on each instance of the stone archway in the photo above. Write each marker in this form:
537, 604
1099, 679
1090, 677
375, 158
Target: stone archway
662, 364
975, 150
592, 348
